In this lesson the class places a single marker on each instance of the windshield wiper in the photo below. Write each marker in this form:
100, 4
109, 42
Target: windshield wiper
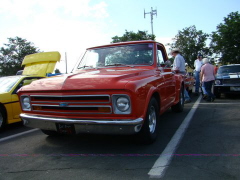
83, 67
117, 64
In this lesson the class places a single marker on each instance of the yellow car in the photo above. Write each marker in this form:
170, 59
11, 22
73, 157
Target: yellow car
36, 66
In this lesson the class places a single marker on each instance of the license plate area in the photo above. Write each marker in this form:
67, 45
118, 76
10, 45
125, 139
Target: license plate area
65, 128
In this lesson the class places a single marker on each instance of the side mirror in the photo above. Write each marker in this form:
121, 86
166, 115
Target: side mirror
168, 64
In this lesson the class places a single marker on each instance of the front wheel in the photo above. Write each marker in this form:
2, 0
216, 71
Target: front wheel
149, 131
2, 120
180, 105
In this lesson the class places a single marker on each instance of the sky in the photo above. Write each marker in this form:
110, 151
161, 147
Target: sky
71, 26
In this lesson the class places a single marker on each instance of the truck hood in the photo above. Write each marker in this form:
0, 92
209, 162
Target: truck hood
90, 80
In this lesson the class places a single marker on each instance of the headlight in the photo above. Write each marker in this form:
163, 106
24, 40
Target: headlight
25, 101
121, 104
217, 82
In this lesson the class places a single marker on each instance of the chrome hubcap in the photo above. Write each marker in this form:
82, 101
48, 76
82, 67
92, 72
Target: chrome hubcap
152, 120
181, 98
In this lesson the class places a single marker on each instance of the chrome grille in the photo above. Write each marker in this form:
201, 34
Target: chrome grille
72, 104
235, 81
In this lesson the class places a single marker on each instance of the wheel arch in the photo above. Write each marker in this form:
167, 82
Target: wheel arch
152, 93
4, 111
4, 115
178, 89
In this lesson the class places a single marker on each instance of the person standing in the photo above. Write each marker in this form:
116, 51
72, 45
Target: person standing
179, 61
197, 64
207, 77
179, 67
216, 69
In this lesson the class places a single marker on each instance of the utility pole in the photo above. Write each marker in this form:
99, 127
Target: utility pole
66, 61
152, 13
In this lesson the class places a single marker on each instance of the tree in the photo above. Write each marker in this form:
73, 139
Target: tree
190, 41
226, 40
12, 55
132, 36
57, 71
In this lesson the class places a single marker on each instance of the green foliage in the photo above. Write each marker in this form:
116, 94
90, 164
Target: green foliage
226, 40
190, 41
12, 55
57, 71
132, 36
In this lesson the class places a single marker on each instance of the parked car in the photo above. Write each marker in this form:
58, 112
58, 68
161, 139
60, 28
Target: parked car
36, 67
119, 88
19, 72
227, 80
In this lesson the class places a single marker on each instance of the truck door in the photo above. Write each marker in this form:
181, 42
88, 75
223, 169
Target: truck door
169, 80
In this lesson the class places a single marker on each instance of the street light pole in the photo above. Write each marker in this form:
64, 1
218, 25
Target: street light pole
152, 13
66, 61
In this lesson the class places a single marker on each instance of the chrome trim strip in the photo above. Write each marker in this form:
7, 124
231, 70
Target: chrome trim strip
71, 111
83, 121
54, 112
165, 73
52, 105
65, 96
227, 85
70, 102
69, 95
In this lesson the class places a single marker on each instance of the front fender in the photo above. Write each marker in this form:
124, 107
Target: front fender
150, 94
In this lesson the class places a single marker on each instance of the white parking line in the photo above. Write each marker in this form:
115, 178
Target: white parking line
162, 163
16, 135
218, 103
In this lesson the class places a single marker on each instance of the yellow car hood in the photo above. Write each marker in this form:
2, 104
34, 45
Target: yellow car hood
40, 64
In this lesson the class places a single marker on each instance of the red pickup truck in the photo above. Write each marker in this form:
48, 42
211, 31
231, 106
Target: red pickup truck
119, 88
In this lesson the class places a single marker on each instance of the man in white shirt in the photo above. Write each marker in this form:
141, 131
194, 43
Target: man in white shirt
179, 61
179, 67
197, 64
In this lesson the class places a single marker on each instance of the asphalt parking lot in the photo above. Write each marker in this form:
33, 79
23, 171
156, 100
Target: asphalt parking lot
209, 149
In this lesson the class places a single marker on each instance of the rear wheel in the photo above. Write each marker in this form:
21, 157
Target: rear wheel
2, 119
149, 131
180, 105
189, 91
50, 133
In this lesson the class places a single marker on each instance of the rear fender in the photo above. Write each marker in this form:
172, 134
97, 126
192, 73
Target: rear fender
179, 84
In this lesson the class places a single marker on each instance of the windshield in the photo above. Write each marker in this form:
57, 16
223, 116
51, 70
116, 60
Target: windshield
229, 69
6, 83
138, 54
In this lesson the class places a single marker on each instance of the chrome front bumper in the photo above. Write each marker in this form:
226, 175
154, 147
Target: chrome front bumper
114, 126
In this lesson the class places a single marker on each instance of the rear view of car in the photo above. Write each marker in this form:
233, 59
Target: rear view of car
227, 80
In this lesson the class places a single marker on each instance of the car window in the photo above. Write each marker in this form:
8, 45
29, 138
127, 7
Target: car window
160, 59
6, 83
229, 69
137, 54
